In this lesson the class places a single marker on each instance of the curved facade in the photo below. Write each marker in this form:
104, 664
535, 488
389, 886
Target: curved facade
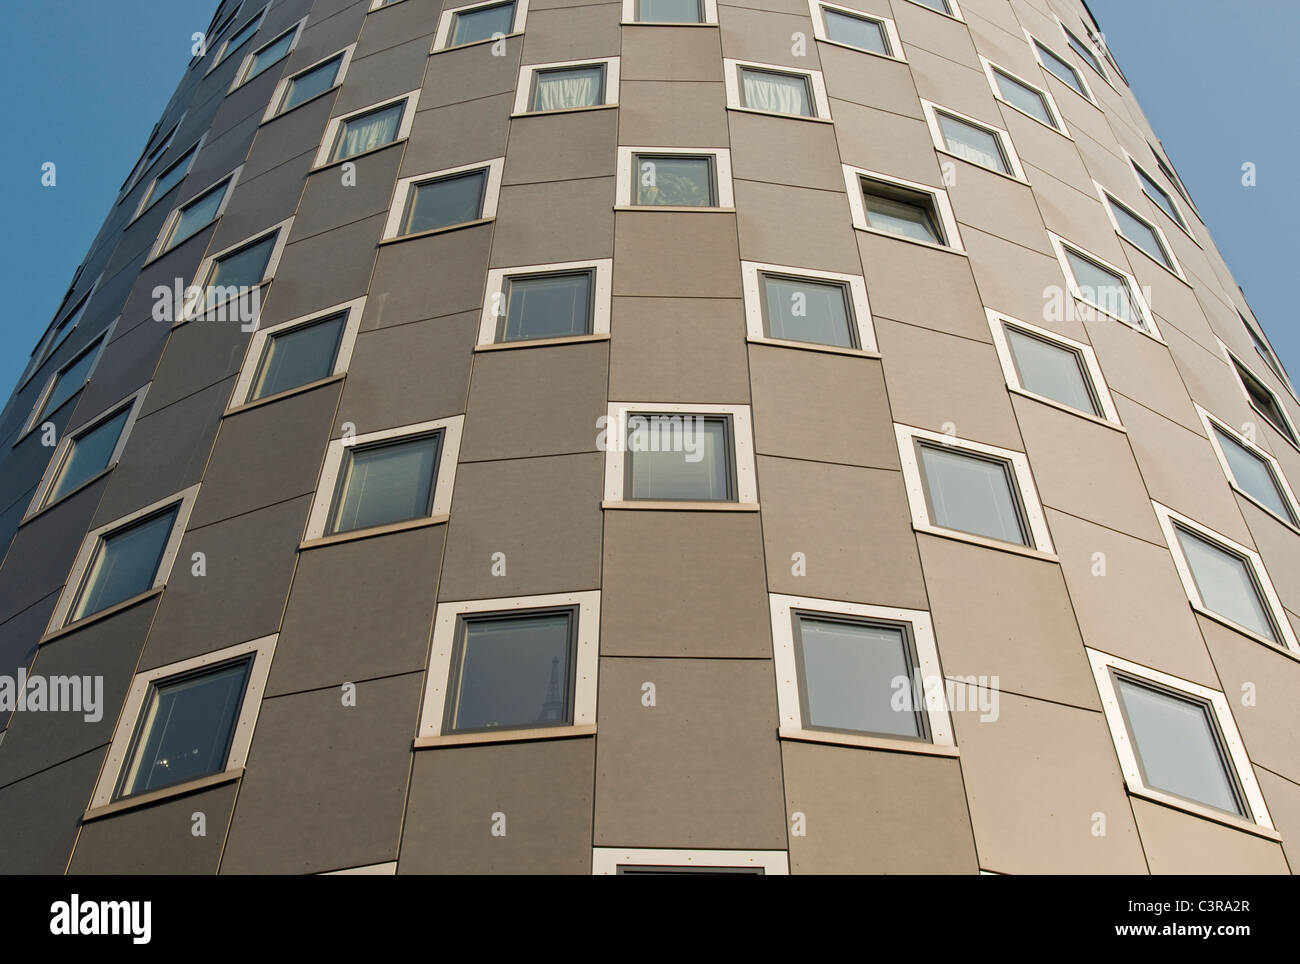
574, 437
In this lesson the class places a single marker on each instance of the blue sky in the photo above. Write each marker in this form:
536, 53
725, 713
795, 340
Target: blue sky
86, 79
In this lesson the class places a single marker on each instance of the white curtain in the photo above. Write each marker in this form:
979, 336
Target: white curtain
776, 92
565, 91
367, 133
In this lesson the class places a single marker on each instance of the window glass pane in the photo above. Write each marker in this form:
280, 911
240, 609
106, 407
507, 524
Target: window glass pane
1140, 233
186, 729
910, 220
386, 483
802, 310
1080, 48
678, 457
1025, 98
69, 381
1254, 475
270, 55
298, 356
124, 564
670, 11
513, 672
444, 202
1177, 744
197, 215
87, 454
1103, 288
940, 5
245, 33
971, 494
1158, 194
856, 31
674, 180
974, 144
1226, 584
778, 93
565, 89
369, 131
850, 673
245, 268
169, 178
548, 306
1051, 371
481, 24
1064, 71
1262, 398
315, 81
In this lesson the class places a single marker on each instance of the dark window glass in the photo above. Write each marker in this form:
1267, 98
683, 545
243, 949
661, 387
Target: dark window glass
169, 178
850, 674
1226, 583
298, 356
197, 215
483, 23
799, 309
1158, 194
859, 32
69, 381
389, 482
270, 55
245, 34
311, 83
185, 730
124, 564
1051, 370
674, 179
972, 494
444, 202
547, 306
239, 270
510, 672
679, 457
88, 454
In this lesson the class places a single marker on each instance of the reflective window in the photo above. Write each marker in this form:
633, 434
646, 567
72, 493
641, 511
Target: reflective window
972, 494
197, 215
386, 482
234, 273
1262, 397
1025, 98
909, 214
800, 309
546, 306
69, 381
1104, 288
861, 32
1064, 71
1052, 370
669, 11
271, 54
975, 144
482, 23
445, 201
1254, 475
298, 356
674, 180
1140, 233
88, 454
124, 564
311, 83
679, 457
1226, 583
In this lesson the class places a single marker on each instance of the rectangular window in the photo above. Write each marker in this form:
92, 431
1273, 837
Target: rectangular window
1023, 96
311, 83
669, 11
88, 452
571, 85
367, 129
1226, 580
444, 199
972, 142
1263, 349
168, 179
482, 23
1051, 370
517, 668
68, 380
512, 671
195, 215
536, 302
269, 55
1084, 51
942, 6
1139, 231
1159, 195
776, 93
1252, 471
1264, 401
124, 564
678, 180
798, 306
237, 39
857, 30
1171, 176
1103, 286
298, 356
233, 274
1063, 70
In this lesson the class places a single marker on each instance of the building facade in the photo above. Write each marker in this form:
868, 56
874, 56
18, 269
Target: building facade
553, 436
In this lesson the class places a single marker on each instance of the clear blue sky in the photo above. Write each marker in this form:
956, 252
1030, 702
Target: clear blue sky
84, 81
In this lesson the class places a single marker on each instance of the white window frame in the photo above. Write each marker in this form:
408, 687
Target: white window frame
241, 75
162, 244
932, 111
1230, 357
261, 650
524, 90
96, 345
1102, 666
998, 324
821, 103
709, 8
196, 295
185, 502
1136, 298
587, 658
816, 10
494, 301
742, 450
257, 346
402, 192
942, 207
941, 741
282, 88
1288, 495
132, 403
147, 199
1175, 202
441, 40
1268, 595
1067, 33
752, 272
1108, 200
220, 57
955, 14
1035, 520
322, 159
627, 178
605, 861
444, 479
991, 70
1088, 95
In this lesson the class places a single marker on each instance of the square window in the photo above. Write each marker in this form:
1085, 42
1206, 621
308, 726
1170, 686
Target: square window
1226, 583
973, 143
1102, 287
678, 180
69, 380
1254, 473
1052, 370
298, 356
1063, 70
168, 179
367, 132
1159, 195
239, 38
1084, 51
232, 274
864, 33
1024, 98
482, 23
383, 483
1264, 401
513, 671
802, 309
445, 201
193, 216
972, 493
568, 88
669, 11
124, 564
674, 457
186, 729
547, 306
909, 214
776, 93
1139, 231
271, 54
310, 83
88, 453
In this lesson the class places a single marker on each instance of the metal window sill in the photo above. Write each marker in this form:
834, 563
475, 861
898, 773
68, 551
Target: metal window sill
866, 741
384, 530
544, 342
504, 736
1207, 813
145, 799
